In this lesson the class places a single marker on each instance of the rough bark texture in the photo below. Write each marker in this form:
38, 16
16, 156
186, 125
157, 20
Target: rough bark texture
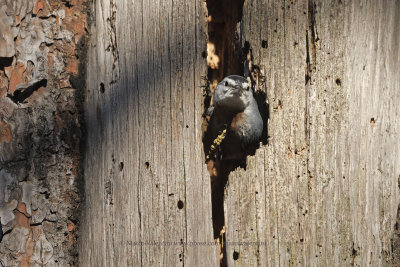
40, 130
325, 190
146, 180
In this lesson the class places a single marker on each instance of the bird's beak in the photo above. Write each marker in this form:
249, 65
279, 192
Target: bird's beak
236, 90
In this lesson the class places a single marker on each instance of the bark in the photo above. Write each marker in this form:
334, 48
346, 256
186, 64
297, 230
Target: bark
322, 189
40, 130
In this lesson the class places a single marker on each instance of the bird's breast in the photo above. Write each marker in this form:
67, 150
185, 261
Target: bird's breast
239, 125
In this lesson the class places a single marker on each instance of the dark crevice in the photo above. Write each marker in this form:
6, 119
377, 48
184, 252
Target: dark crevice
308, 64
2, 235
257, 81
311, 22
207, 95
223, 59
40, 223
74, 221
5, 62
67, 3
264, 44
263, 107
78, 82
395, 240
235, 255
354, 253
180, 204
224, 16
311, 42
20, 212
47, 17
226, 56
46, 194
20, 95
36, 224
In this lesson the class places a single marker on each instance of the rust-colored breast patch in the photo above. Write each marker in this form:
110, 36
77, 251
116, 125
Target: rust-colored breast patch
237, 121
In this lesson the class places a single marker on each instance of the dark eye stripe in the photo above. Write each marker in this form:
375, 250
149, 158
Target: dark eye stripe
226, 83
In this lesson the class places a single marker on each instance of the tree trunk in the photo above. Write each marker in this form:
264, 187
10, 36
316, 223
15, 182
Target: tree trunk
323, 190
146, 181
42, 78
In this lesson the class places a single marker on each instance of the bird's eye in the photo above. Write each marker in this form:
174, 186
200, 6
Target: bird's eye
226, 83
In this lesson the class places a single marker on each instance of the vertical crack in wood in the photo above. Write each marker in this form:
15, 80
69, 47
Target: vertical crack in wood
313, 32
223, 58
113, 46
311, 42
308, 63
311, 62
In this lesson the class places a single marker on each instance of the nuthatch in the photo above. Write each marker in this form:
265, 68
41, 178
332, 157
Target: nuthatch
235, 110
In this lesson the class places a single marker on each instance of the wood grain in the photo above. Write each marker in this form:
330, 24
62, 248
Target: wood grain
148, 55
324, 191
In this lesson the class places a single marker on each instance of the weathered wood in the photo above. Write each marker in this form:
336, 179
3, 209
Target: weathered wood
146, 116
325, 190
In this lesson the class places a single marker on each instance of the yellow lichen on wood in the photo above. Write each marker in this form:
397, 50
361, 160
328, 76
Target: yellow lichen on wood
216, 143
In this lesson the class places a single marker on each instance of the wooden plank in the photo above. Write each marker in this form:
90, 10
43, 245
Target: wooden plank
197, 186
331, 166
323, 191
148, 55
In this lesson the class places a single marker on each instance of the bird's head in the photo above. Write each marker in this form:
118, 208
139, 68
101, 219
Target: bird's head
233, 93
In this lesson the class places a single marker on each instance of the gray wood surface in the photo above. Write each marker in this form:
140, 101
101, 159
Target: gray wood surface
148, 55
325, 190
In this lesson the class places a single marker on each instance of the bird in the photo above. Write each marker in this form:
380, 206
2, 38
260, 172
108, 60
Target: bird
235, 127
